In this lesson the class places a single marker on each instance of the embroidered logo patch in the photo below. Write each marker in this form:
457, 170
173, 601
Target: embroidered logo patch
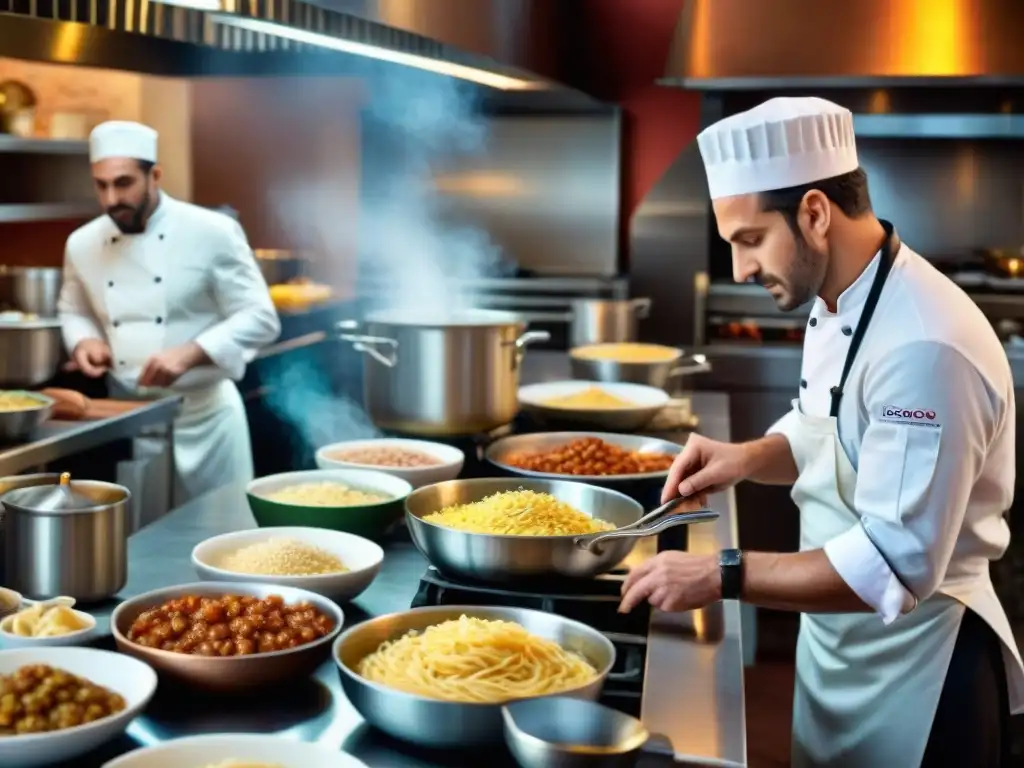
920, 417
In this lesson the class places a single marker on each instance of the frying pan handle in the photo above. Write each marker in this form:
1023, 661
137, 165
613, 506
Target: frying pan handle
593, 543
694, 364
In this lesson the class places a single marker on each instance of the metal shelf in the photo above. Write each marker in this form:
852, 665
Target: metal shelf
20, 212
937, 126
17, 144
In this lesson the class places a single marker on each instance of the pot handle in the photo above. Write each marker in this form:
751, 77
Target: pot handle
694, 364
648, 525
368, 345
525, 340
641, 308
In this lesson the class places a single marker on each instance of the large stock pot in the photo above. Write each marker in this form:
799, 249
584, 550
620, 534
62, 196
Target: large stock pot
435, 375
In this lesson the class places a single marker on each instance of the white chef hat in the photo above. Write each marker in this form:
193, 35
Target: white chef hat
121, 138
784, 142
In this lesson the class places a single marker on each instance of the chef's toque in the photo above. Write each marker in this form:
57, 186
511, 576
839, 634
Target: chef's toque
784, 142
120, 138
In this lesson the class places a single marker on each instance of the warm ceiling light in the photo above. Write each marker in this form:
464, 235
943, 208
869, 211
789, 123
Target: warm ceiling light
480, 76
196, 5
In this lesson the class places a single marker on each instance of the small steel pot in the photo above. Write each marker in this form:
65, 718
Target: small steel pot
34, 290
661, 374
280, 266
600, 321
456, 374
30, 352
78, 552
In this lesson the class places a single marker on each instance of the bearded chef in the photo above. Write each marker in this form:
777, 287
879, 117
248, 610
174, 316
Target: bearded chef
161, 293
900, 451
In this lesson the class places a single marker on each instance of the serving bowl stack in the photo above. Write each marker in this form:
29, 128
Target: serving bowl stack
370, 521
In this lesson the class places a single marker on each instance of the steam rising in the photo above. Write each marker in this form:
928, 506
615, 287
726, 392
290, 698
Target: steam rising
412, 250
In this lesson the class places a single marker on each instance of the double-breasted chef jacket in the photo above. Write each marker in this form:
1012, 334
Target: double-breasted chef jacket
904, 483
190, 276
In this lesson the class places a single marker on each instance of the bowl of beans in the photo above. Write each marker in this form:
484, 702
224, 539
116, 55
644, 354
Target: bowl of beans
418, 462
595, 457
57, 704
228, 636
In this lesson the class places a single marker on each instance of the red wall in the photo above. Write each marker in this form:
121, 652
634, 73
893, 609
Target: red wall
628, 43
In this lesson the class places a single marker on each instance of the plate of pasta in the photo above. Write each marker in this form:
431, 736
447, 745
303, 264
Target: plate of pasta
49, 623
240, 750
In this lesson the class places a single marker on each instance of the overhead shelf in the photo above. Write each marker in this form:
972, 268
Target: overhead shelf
937, 126
20, 212
11, 144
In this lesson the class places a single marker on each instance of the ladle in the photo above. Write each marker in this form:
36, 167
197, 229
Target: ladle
564, 732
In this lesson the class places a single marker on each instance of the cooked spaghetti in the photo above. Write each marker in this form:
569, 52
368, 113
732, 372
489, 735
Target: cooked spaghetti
476, 660
518, 513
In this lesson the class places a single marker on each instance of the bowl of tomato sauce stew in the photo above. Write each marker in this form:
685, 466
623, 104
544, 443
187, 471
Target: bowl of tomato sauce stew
227, 636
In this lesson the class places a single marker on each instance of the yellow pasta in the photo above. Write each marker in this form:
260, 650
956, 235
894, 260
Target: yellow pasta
44, 621
626, 353
590, 399
476, 660
518, 513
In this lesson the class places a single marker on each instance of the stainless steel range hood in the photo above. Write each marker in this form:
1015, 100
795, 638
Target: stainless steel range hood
728, 44
474, 39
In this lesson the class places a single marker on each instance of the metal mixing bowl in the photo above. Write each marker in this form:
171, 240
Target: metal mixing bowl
446, 724
230, 673
17, 426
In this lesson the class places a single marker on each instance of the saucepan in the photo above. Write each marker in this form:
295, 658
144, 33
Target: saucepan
561, 732
502, 558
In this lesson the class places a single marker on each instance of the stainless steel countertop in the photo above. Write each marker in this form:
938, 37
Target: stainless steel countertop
693, 692
56, 440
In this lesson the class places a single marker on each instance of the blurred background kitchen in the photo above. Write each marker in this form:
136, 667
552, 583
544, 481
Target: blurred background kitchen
527, 155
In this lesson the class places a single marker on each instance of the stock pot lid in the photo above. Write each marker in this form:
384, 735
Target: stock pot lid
445, 319
49, 498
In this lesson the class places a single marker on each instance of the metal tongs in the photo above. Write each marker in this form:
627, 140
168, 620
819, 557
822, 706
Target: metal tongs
651, 524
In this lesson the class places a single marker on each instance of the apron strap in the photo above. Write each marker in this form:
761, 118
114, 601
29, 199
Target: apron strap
890, 248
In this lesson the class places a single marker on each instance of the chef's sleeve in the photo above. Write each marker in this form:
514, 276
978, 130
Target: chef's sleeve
74, 308
931, 417
250, 320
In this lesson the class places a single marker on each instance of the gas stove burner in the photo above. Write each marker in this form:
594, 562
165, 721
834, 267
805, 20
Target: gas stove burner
604, 587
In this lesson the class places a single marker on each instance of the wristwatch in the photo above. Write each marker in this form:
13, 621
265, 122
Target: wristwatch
730, 563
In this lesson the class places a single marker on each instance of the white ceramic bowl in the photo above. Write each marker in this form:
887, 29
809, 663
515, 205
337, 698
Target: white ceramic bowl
199, 751
361, 556
645, 401
80, 637
452, 459
129, 677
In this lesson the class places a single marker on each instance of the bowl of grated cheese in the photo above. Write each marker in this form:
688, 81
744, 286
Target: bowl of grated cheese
360, 501
334, 564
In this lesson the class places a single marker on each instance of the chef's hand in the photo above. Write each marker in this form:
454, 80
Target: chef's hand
165, 368
705, 466
673, 581
92, 357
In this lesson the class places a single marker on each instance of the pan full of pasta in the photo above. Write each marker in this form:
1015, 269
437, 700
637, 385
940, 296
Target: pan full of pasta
438, 676
47, 624
501, 530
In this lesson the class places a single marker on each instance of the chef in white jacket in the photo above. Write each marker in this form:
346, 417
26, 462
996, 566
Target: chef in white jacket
165, 294
900, 451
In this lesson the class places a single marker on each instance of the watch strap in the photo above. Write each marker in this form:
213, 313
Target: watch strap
730, 563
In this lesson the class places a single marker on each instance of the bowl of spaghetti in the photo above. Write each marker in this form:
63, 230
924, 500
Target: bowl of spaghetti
438, 676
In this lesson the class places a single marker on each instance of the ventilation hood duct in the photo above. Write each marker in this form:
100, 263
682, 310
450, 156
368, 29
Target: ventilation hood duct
754, 44
478, 40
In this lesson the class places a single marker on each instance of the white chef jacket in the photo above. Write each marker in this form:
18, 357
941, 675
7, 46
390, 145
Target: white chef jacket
928, 420
190, 276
